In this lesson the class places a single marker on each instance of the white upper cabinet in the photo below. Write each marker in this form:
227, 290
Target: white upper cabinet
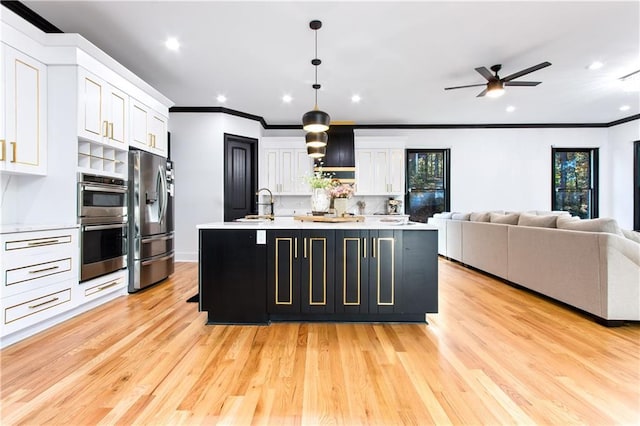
379, 169
23, 120
103, 111
148, 129
283, 166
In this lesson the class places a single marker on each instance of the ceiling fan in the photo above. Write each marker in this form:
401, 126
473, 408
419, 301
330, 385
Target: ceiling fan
495, 85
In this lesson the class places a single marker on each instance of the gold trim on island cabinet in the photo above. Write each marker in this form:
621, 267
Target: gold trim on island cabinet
344, 270
393, 268
277, 270
324, 271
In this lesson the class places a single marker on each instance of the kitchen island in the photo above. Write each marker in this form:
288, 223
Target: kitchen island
255, 272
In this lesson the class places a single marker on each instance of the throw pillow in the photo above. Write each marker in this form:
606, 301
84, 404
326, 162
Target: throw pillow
602, 224
460, 216
508, 219
526, 219
631, 235
445, 215
479, 217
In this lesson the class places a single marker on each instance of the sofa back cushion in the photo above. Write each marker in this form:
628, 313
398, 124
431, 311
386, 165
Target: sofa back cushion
631, 235
479, 217
507, 219
527, 219
602, 224
460, 216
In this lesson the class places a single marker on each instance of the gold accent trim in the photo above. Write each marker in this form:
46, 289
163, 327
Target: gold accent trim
335, 169
324, 271
14, 151
277, 299
344, 271
3, 150
342, 122
393, 273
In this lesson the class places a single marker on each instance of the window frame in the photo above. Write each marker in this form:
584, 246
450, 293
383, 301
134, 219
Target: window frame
446, 175
594, 166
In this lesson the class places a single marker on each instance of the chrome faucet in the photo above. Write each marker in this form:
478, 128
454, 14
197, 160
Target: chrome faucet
258, 204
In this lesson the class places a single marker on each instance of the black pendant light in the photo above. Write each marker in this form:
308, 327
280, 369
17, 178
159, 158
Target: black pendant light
316, 140
315, 120
316, 151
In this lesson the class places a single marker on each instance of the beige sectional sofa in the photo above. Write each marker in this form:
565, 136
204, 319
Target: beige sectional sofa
590, 264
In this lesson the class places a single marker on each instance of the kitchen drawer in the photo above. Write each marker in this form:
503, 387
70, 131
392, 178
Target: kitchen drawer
31, 307
102, 286
18, 241
37, 272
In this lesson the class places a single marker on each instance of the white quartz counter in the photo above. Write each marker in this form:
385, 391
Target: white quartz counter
290, 223
19, 227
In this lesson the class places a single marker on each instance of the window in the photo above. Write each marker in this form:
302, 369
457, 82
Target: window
575, 181
427, 183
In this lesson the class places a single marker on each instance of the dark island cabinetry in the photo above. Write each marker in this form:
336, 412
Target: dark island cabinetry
318, 275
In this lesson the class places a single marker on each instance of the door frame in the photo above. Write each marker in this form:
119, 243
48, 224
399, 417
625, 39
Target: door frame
228, 138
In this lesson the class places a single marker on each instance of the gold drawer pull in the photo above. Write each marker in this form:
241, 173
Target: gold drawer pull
110, 130
14, 151
44, 303
44, 269
106, 129
111, 284
3, 150
41, 243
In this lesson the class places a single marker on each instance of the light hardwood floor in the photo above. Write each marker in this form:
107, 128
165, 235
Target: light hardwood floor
492, 355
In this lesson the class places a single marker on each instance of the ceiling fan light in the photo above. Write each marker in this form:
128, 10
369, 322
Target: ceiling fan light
316, 139
315, 121
316, 152
495, 89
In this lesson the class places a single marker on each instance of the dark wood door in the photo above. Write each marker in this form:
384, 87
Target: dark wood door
352, 271
240, 176
317, 271
283, 272
385, 272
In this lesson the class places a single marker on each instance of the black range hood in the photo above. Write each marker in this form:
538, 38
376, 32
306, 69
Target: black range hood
340, 159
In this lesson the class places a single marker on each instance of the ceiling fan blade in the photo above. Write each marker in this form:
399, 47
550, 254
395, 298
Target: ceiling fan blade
526, 71
462, 87
481, 94
486, 73
522, 83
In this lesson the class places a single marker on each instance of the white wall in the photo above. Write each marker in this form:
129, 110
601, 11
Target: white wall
492, 169
620, 165
197, 148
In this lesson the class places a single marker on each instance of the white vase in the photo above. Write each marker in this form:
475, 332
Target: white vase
320, 201
340, 205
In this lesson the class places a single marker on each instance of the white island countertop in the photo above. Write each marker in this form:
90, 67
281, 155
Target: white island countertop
290, 223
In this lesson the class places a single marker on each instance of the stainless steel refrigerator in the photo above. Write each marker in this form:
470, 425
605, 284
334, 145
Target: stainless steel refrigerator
151, 257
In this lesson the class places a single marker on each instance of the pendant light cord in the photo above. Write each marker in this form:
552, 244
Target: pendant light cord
316, 71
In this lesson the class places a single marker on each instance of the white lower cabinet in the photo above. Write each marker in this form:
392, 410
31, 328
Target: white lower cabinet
40, 282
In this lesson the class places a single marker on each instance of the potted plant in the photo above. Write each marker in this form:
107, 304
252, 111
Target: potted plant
320, 183
340, 194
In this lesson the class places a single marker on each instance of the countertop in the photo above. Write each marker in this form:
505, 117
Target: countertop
290, 223
20, 227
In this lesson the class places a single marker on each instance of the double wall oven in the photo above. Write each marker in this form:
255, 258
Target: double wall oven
102, 213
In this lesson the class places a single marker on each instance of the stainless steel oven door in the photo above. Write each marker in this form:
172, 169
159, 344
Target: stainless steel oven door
103, 248
101, 200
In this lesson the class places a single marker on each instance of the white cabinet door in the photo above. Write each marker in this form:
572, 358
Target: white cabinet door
287, 172
381, 171
103, 111
396, 171
140, 136
270, 170
304, 167
23, 137
283, 171
364, 172
158, 130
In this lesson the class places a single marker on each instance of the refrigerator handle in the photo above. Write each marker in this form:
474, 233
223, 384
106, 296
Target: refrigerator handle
163, 193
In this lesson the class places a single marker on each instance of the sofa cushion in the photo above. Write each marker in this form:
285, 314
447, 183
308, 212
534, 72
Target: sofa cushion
549, 212
508, 219
631, 235
548, 221
479, 217
460, 216
444, 215
602, 224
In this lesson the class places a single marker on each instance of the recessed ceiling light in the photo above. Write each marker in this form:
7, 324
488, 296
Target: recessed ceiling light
172, 43
355, 99
596, 65
510, 108
287, 99
221, 98
625, 108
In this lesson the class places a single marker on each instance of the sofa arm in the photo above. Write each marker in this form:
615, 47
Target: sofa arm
620, 277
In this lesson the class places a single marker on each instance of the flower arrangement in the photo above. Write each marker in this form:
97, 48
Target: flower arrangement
342, 191
319, 179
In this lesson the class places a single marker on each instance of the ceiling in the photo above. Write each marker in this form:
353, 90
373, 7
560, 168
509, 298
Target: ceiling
398, 56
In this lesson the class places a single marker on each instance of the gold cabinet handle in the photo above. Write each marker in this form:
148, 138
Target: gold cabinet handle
44, 270
14, 151
364, 243
43, 303
42, 243
110, 284
373, 247
3, 150
106, 129
150, 139
110, 130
